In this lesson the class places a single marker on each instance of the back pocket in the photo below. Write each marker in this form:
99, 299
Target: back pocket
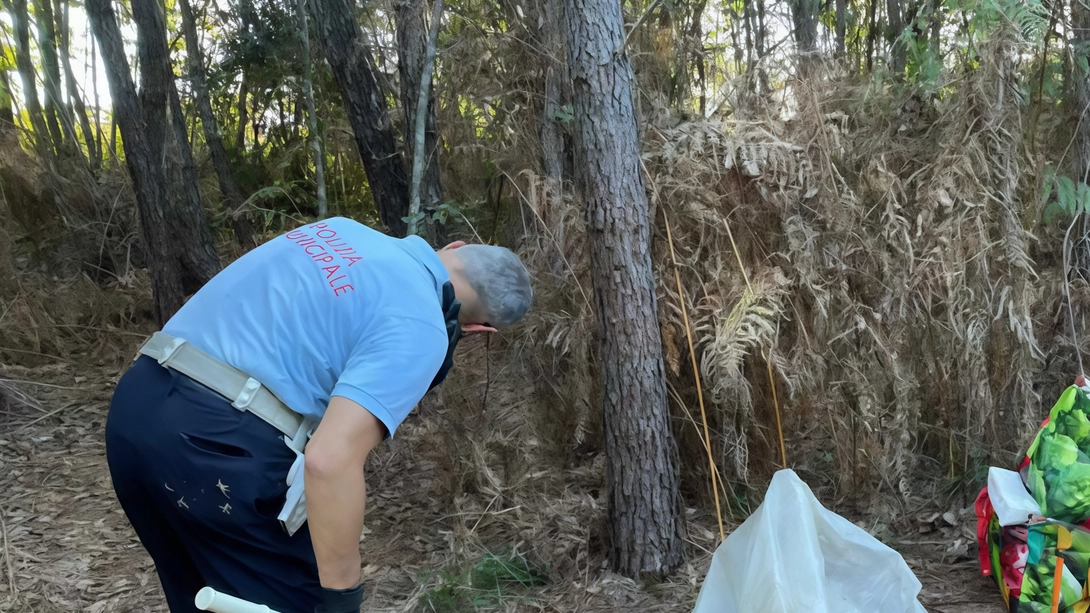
216, 447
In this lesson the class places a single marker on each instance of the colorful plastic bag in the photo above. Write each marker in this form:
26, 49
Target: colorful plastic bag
1026, 560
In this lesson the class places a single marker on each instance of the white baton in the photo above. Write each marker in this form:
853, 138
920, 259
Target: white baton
209, 599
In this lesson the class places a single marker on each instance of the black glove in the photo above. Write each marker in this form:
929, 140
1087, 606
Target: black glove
341, 601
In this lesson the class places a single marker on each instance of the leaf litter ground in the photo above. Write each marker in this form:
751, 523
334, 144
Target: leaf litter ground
66, 545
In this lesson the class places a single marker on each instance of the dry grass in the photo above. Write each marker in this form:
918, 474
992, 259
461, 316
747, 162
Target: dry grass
66, 546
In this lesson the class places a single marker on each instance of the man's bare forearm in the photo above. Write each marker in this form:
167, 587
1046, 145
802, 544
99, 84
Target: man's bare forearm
336, 496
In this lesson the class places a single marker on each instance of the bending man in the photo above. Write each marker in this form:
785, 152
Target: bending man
321, 340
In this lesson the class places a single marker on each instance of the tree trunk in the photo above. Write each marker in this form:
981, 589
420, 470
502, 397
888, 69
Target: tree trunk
243, 115
412, 45
1080, 45
240, 222
51, 77
93, 154
872, 32
644, 512
312, 116
804, 16
552, 134
7, 116
841, 26
897, 51
20, 18
420, 119
98, 105
354, 71
176, 236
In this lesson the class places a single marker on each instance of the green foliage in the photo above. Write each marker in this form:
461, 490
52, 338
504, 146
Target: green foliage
1070, 197
492, 581
924, 66
448, 214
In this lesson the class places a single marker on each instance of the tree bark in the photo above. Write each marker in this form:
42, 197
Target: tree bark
20, 18
94, 156
51, 76
7, 116
240, 222
804, 16
412, 47
552, 134
872, 32
897, 51
243, 115
841, 26
176, 236
315, 136
644, 512
354, 71
1080, 44
420, 118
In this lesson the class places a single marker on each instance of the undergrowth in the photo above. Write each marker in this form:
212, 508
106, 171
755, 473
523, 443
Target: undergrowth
493, 580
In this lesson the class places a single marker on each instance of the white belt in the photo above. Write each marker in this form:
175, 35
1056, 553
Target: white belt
248, 394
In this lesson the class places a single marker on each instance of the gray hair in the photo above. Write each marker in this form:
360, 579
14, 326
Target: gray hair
500, 280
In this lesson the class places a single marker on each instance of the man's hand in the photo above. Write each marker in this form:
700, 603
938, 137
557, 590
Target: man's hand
336, 492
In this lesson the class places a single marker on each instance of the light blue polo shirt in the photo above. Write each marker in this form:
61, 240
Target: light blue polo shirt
330, 309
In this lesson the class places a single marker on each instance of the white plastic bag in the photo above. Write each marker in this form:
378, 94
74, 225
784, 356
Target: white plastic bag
794, 555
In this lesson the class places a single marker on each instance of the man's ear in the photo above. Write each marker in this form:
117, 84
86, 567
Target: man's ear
470, 328
454, 245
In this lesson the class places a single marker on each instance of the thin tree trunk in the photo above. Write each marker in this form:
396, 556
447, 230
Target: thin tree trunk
184, 178
897, 50
841, 26
98, 105
644, 514
804, 17
312, 116
421, 117
7, 116
872, 32
354, 71
552, 134
20, 18
51, 78
243, 115
1080, 45
937, 18
412, 46
176, 237
762, 39
240, 222
94, 156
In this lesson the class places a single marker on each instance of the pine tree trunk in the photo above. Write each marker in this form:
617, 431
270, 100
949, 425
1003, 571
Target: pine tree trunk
93, 154
644, 512
1080, 34
240, 222
897, 51
176, 237
312, 116
841, 26
804, 16
243, 115
51, 75
20, 18
7, 116
411, 48
872, 32
552, 134
354, 71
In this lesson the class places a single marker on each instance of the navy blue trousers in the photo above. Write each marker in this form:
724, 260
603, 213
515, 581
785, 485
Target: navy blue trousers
202, 484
